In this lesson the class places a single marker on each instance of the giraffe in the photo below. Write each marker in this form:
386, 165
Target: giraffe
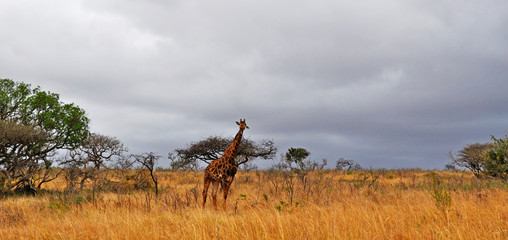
223, 170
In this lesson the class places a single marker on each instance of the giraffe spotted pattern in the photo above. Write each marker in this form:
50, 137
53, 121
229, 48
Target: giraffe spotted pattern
222, 171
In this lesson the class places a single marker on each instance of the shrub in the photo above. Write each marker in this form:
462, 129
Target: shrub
496, 164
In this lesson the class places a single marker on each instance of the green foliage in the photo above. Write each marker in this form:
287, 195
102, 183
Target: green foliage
496, 164
79, 199
242, 197
65, 124
282, 206
297, 155
297, 159
58, 206
33, 125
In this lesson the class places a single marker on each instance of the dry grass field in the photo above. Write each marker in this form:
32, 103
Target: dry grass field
394, 204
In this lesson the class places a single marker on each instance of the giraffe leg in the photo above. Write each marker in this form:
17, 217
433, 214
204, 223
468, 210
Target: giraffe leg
225, 191
215, 187
205, 190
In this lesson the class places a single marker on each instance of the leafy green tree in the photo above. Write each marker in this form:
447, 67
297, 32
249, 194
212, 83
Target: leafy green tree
298, 160
299, 163
496, 164
297, 156
35, 124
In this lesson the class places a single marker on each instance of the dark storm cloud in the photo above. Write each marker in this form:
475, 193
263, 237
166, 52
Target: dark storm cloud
389, 84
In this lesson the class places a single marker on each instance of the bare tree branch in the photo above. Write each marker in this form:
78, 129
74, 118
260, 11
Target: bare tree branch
149, 160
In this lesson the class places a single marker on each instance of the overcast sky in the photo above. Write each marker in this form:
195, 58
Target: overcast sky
394, 83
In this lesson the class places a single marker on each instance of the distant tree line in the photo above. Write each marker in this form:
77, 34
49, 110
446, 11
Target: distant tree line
42, 138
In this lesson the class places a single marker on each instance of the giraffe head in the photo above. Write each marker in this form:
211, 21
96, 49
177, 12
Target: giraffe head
242, 124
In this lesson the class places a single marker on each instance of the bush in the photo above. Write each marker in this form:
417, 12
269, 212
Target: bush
440, 194
496, 164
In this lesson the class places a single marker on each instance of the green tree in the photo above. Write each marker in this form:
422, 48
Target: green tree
298, 161
496, 164
297, 156
35, 124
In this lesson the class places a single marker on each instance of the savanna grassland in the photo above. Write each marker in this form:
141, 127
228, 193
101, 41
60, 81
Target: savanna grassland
393, 204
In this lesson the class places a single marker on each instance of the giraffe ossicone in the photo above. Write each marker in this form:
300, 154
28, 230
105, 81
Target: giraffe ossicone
222, 171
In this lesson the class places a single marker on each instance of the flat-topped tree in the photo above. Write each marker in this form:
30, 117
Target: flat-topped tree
213, 148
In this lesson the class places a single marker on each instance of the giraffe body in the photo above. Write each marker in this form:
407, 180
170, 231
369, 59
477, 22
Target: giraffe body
222, 171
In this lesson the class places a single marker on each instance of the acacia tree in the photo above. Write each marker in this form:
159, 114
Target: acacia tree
213, 147
34, 125
472, 157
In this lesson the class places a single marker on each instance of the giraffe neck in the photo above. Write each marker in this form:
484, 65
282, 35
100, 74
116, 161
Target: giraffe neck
230, 152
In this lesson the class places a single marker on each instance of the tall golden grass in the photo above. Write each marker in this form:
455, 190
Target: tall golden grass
397, 204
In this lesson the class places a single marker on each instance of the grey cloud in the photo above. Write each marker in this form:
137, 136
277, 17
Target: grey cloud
389, 84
